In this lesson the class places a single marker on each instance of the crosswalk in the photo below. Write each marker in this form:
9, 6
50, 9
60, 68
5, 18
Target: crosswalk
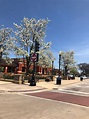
81, 88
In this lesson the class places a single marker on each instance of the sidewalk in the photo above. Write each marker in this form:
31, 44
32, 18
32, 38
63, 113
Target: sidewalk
52, 84
12, 87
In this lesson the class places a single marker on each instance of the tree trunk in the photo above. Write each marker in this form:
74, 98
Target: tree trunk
0, 56
27, 65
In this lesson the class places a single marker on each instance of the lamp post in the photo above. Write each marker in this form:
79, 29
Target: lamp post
66, 71
52, 68
59, 62
58, 80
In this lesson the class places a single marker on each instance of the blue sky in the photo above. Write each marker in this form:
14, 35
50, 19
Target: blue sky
68, 28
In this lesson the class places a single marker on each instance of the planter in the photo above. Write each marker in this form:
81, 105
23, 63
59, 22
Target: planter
18, 79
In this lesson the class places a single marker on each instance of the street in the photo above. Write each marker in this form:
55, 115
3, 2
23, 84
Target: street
16, 106
66, 102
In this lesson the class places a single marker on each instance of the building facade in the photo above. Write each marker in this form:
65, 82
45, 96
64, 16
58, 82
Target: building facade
19, 66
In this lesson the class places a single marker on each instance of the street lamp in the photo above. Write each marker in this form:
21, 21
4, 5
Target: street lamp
66, 69
60, 61
58, 80
52, 68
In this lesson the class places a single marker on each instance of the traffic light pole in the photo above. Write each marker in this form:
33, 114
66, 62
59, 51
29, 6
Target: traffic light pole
33, 81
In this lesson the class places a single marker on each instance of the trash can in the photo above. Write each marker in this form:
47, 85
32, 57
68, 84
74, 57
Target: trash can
58, 80
81, 78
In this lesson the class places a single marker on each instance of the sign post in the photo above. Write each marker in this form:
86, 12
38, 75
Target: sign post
34, 58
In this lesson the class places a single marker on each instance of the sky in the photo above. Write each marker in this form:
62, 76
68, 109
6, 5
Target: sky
68, 28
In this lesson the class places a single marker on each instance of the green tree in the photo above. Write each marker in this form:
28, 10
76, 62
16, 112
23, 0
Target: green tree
74, 71
84, 68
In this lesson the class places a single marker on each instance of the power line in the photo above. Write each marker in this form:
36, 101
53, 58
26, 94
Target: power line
55, 49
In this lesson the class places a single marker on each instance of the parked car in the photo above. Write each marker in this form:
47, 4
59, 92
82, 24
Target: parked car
84, 77
71, 76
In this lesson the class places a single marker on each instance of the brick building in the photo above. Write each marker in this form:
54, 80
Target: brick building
19, 66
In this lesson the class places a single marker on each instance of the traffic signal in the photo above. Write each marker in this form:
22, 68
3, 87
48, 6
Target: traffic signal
36, 46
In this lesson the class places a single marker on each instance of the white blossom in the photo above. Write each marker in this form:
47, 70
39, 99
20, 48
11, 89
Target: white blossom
6, 41
67, 59
29, 31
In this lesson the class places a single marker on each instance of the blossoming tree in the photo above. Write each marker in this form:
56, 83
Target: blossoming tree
67, 61
27, 34
6, 42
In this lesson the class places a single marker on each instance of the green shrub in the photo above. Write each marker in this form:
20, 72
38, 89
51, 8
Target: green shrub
27, 77
8, 76
1, 69
40, 77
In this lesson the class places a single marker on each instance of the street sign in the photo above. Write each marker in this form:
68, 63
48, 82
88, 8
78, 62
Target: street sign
34, 57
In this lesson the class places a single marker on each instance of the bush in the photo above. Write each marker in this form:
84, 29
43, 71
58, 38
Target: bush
8, 76
49, 78
40, 77
27, 77
1, 69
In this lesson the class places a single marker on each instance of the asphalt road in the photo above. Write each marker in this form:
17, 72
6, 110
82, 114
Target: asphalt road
16, 106
76, 94
71, 102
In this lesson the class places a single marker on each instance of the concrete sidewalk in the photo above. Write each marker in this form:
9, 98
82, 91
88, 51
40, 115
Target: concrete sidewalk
12, 87
52, 84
